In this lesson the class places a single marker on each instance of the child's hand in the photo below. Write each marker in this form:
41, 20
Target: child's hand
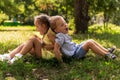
36, 36
48, 46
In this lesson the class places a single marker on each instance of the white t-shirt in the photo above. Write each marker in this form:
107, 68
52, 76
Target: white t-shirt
67, 46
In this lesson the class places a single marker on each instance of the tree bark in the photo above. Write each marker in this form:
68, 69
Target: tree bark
81, 16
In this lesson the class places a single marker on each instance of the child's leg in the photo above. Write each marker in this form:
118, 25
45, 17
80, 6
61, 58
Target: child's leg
100, 46
28, 43
28, 46
94, 47
11, 54
98, 49
32, 44
16, 50
109, 49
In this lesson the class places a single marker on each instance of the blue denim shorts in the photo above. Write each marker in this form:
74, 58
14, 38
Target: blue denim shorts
80, 52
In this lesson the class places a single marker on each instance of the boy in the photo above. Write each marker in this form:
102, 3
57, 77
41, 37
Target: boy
64, 45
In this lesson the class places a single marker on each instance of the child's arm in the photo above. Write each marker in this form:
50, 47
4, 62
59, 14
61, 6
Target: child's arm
51, 37
48, 46
57, 52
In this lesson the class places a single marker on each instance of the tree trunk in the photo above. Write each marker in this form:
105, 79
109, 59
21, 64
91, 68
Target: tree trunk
81, 16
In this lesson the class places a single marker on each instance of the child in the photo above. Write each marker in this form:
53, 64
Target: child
34, 45
64, 45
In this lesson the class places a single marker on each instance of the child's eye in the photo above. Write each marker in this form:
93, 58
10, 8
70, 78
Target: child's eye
63, 24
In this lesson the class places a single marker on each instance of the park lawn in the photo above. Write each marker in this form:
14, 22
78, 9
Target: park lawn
92, 67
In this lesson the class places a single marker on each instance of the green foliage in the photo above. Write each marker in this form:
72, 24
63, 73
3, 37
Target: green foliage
8, 7
104, 5
110, 8
24, 10
115, 17
11, 23
3, 17
71, 24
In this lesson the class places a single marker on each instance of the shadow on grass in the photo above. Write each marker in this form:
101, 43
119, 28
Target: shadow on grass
90, 67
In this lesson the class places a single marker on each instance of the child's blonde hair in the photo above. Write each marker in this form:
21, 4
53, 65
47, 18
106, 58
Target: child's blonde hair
53, 21
42, 19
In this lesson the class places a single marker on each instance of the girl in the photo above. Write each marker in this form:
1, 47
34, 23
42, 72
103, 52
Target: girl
35, 45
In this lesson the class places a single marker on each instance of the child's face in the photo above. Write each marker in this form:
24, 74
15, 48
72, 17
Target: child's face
41, 28
62, 26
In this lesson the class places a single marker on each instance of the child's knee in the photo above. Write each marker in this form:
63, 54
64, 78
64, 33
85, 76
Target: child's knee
90, 43
91, 40
33, 38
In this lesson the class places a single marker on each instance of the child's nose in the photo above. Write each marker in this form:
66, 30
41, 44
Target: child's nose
66, 25
37, 29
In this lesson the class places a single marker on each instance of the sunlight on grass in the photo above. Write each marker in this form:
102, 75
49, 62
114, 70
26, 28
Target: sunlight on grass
12, 28
14, 36
10, 37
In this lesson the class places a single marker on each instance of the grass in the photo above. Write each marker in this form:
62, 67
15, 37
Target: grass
93, 67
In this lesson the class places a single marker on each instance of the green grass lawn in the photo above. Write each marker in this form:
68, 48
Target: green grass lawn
92, 67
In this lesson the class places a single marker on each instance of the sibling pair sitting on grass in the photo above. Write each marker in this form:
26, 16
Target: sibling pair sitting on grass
59, 42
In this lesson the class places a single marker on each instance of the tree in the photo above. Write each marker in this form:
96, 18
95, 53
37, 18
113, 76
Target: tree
81, 15
84, 8
8, 7
110, 8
